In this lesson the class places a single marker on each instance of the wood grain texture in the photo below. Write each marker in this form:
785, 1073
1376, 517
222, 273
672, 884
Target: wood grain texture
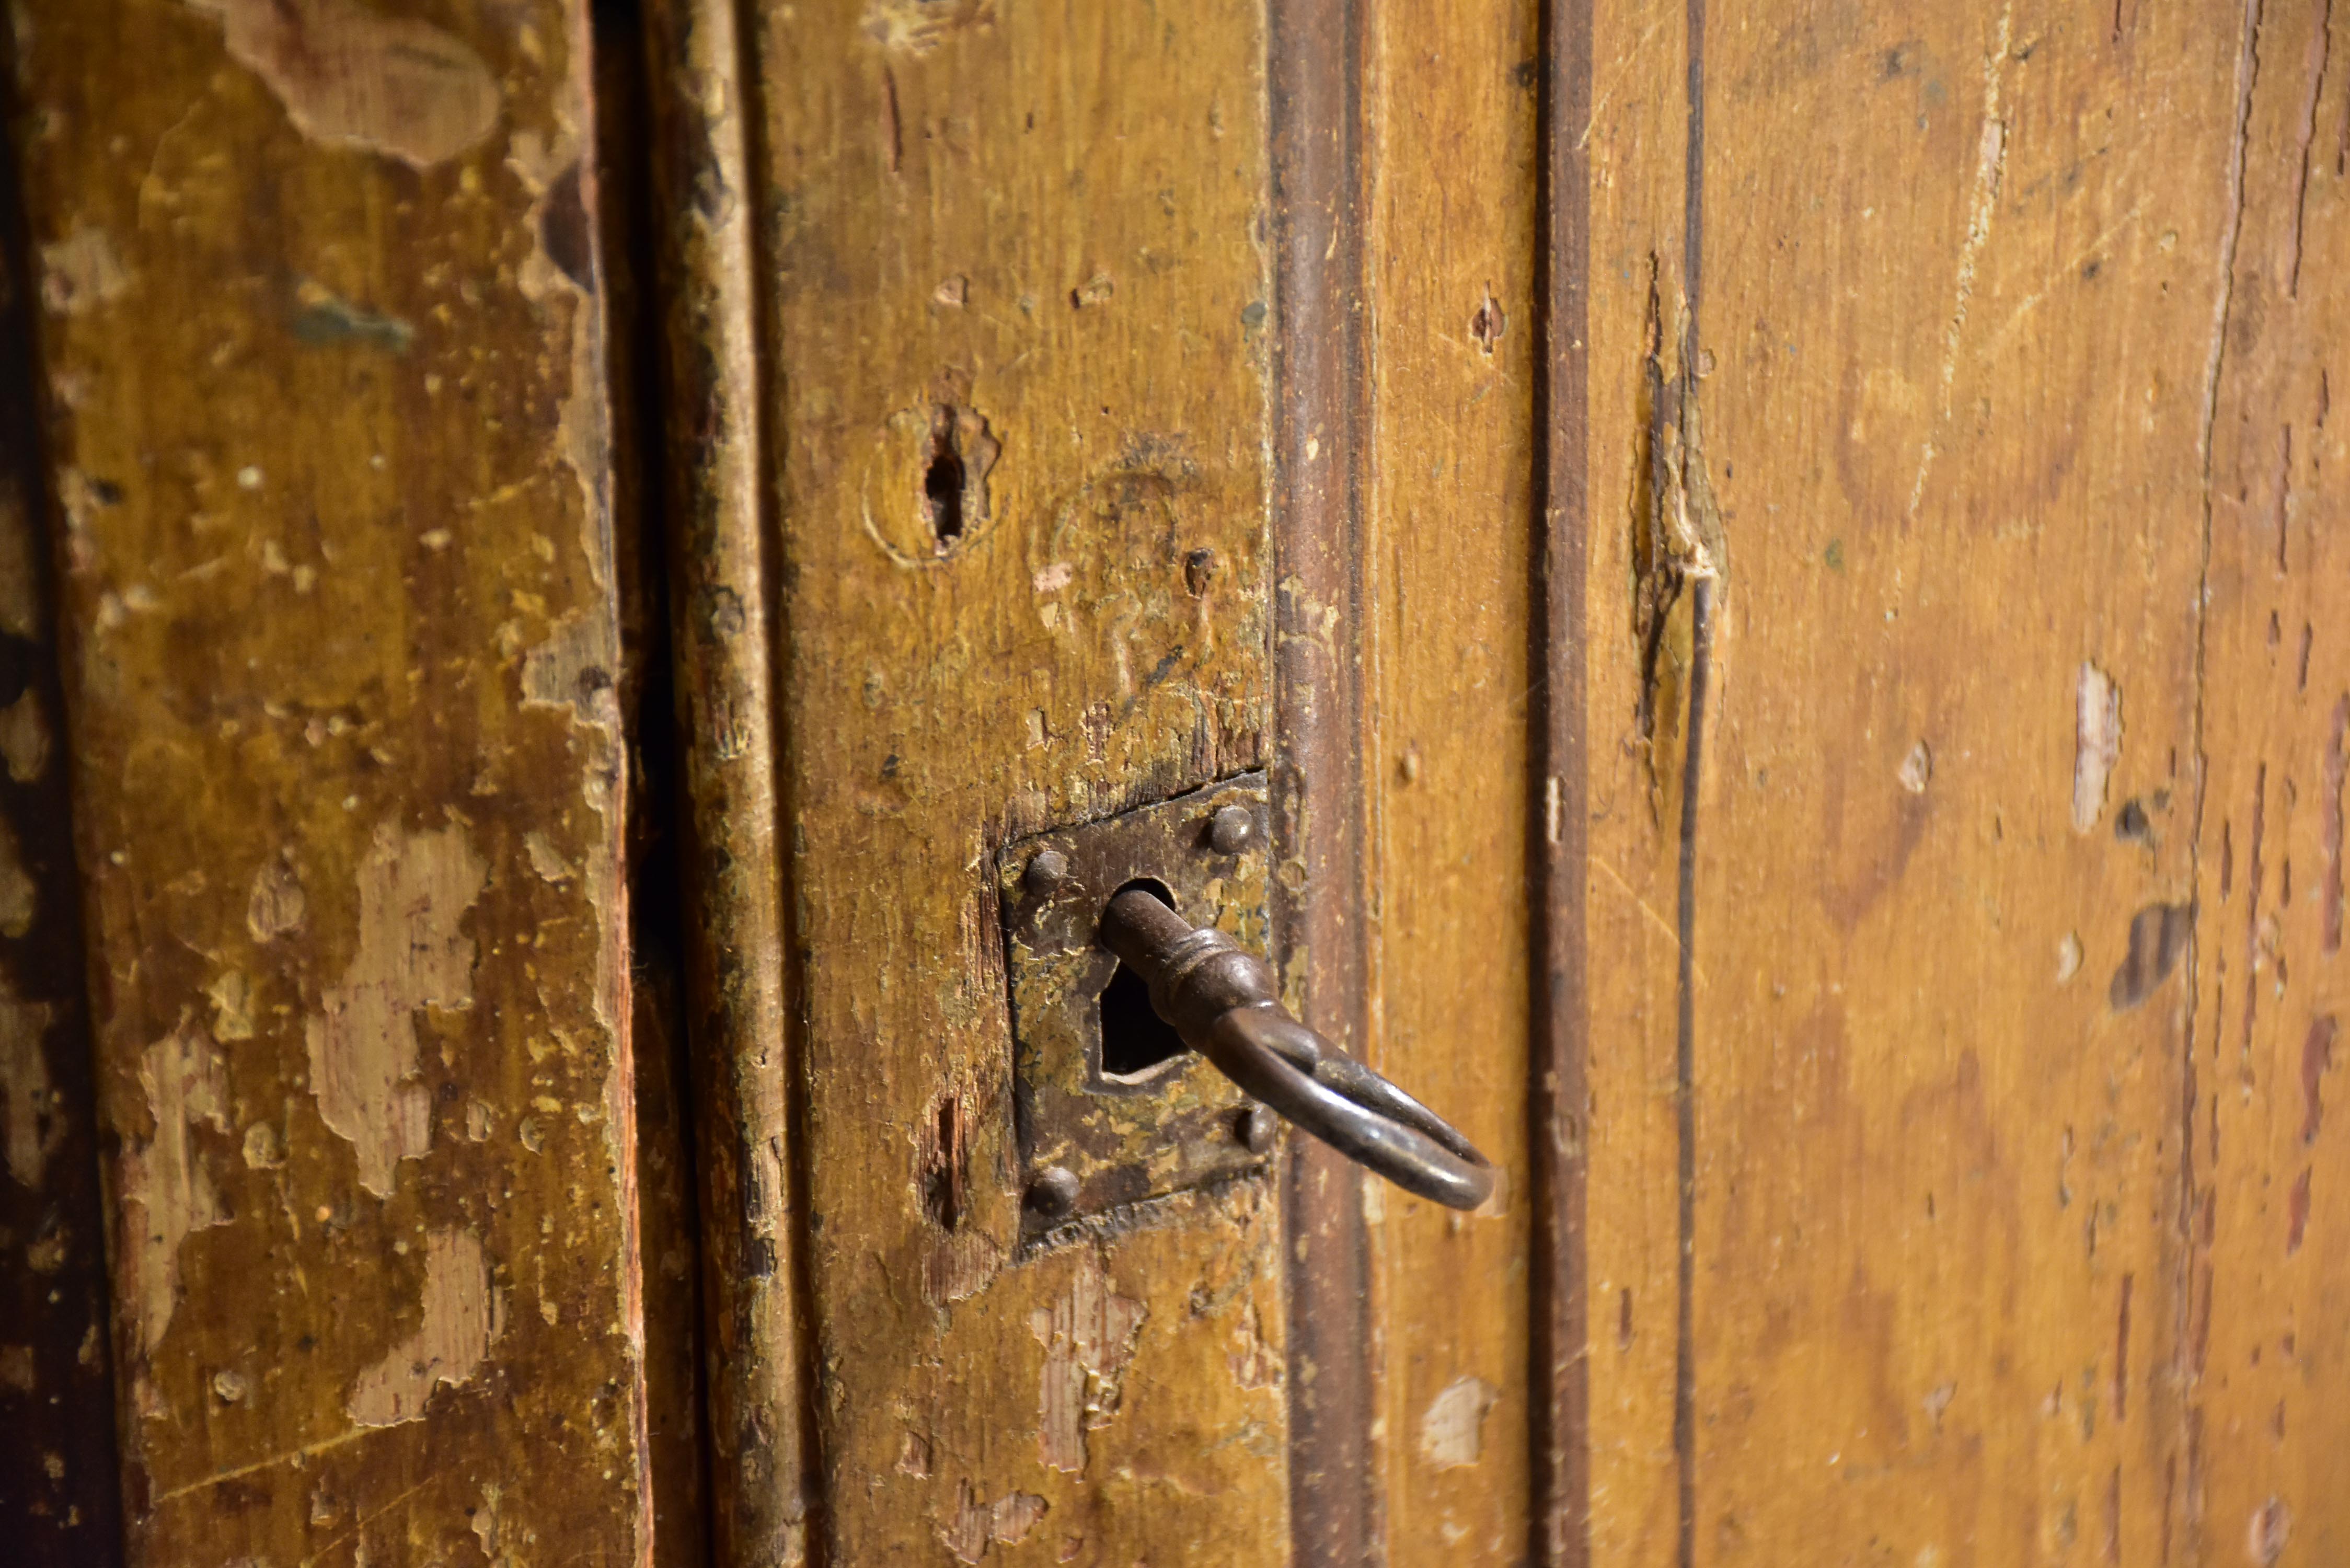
60, 1487
1621, 763
1449, 562
329, 434
1892, 977
1320, 897
2265, 1353
1015, 363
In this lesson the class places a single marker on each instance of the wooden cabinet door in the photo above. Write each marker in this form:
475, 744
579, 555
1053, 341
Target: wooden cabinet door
1768, 565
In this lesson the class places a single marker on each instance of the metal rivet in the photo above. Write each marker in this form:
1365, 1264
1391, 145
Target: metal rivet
1230, 830
1047, 869
1053, 1192
1256, 1127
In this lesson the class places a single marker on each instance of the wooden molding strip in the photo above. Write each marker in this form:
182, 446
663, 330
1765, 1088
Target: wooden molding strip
738, 965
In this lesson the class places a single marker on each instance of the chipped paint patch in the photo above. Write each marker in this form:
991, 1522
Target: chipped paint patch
974, 1526
25, 738
414, 891
489, 1525
918, 27
81, 271
1916, 769
2098, 742
1452, 1427
463, 1317
1256, 1363
278, 904
1088, 1337
544, 858
347, 76
232, 1000
30, 1129
572, 668
167, 1192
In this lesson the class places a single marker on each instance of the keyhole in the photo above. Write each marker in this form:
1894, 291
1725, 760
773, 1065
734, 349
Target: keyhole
1137, 1044
942, 482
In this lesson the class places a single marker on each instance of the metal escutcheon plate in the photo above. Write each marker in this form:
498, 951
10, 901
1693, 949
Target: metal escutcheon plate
1124, 1138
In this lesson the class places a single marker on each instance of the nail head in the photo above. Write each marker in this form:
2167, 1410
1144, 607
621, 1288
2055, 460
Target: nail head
1047, 869
1257, 1126
1232, 829
1053, 1192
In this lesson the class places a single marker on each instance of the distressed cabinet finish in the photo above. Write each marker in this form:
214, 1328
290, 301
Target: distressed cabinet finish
1775, 562
327, 446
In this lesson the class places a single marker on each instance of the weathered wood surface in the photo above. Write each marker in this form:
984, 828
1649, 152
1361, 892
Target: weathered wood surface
1958, 344
1448, 558
721, 589
2265, 1116
1938, 399
59, 1489
323, 352
1016, 373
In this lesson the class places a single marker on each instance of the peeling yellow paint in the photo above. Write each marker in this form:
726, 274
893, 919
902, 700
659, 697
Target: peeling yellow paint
347, 75
415, 890
544, 858
1452, 1427
974, 1526
81, 271
463, 1317
25, 738
1088, 1337
489, 1527
167, 1192
278, 903
231, 999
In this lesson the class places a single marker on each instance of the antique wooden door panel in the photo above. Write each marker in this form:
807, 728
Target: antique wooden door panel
1016, 369
1771, 564
323, 361
1959, 690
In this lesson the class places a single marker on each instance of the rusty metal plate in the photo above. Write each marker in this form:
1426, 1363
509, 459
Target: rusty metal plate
1091, 1099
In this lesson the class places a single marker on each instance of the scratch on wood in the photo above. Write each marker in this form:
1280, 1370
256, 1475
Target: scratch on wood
301, 1455
2321, 46
1990, 163
2329, 806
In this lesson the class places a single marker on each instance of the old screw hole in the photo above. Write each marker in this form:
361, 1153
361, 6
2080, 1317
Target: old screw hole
1137, 1044
942, 482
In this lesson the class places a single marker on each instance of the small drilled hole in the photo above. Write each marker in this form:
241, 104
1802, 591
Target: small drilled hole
1137, 1044
942, 493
